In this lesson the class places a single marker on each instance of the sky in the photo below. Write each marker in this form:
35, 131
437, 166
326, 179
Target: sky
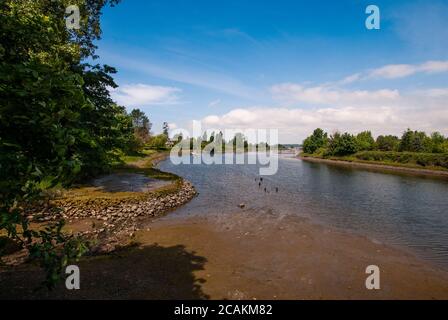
287, 65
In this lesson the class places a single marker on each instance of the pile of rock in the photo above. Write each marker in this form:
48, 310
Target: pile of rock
118, 215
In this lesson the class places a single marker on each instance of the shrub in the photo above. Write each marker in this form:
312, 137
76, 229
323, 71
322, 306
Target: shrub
421, 159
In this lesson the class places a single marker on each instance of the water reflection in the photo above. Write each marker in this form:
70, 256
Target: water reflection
398, 209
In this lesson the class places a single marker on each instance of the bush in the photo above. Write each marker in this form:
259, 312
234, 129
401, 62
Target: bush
158, 142
421, 159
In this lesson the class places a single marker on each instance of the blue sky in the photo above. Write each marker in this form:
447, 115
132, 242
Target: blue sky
289, 65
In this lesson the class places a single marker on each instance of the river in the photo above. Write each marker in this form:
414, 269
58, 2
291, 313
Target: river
395, 209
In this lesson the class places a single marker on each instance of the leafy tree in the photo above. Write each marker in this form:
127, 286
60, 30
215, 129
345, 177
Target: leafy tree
342, 144
365, 141
415, 141
387, 143
158, 141
317, 140
166, 128
142, 125
57, 120
438, 143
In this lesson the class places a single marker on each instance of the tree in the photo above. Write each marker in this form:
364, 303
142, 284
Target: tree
365, 141
415, 141
317, 140
142, 125
166, 128
57, 120
158, 141
438, 143
387, 143
342, 144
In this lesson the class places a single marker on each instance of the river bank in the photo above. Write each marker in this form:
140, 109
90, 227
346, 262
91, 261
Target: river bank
212, 248
377, 166
242, 256
108, 210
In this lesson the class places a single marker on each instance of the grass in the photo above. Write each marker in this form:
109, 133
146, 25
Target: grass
137, 156
353, 158
142, 163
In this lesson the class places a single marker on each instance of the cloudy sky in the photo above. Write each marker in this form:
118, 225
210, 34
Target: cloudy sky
291, 65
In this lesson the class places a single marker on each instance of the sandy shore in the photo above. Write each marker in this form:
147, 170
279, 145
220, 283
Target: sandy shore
379, 167
243, 256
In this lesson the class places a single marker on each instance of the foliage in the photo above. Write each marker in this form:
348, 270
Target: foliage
438, 143
342, 144
415, 141
317, 140
57, 120
158, 141
414, 148
365, 141
142, 125
166, 128
421, 159
387, 143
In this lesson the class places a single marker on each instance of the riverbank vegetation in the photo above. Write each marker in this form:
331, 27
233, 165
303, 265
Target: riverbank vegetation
412, 149
58, 122
216, 142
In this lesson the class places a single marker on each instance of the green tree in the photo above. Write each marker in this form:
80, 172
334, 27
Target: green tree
57, 120
437, 142
142, 125
387, 143
365, 141
166, 128
415, 141
158, 141
342, 144
317, 140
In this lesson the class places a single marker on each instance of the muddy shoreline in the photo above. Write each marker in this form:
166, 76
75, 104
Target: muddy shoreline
242, 256
246, 254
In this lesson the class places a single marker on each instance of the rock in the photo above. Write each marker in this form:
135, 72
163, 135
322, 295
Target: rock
242, 205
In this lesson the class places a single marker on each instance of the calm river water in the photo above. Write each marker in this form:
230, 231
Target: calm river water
403, 210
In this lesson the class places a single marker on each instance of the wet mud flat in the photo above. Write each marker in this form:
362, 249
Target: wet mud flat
127, 182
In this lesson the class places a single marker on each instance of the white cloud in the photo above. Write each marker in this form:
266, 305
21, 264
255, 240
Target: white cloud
191, 75
172, 126
214, 103
420, 110
393, 71
434, 66
396, 71
291, 92
295, 124
138, 95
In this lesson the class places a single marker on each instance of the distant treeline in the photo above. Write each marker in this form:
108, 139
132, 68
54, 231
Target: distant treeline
413, 148
238, 143
341, 144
